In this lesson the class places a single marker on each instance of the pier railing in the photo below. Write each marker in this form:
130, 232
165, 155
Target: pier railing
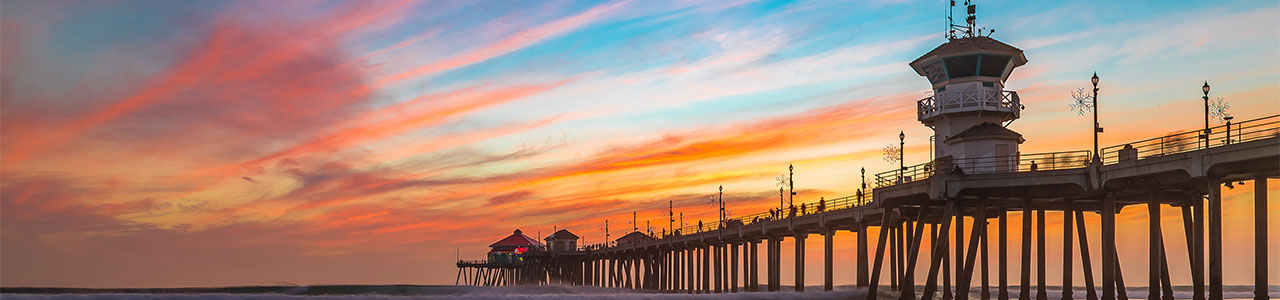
908, 174
986, 165
1017, 163
802, 209
1256, 129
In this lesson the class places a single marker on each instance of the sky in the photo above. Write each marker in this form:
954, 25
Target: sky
211, 143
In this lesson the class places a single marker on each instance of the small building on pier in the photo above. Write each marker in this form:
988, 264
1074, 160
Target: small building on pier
562, 241
511, 248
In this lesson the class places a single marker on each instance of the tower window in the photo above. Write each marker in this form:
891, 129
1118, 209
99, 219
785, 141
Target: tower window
961, 66
988, 84
935, 72
993, 65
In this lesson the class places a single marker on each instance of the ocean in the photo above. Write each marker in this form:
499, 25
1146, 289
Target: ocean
517, 292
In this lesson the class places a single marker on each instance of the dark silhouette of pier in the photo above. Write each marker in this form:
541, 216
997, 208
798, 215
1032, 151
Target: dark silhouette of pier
977, 176
1178, 170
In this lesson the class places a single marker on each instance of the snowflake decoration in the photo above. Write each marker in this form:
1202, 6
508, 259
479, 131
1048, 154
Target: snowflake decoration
1218, 110
1081, 102
892, 153
783, 181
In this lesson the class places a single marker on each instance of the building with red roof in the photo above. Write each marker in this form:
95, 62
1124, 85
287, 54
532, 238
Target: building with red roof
511, 248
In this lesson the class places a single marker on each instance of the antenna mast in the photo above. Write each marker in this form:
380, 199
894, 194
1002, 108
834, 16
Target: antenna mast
969, 28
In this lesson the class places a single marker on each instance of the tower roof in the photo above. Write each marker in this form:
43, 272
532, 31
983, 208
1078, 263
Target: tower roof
516, 239
967, 45
985, 131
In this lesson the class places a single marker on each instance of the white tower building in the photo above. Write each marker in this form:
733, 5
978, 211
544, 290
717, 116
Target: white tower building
970, 108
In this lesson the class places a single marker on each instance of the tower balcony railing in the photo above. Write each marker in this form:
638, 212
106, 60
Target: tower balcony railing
968, 100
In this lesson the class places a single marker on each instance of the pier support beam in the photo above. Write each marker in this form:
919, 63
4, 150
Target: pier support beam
1165, 281
945, 238
862, 254
959, 245
939, 250
1003, 249
1085, 260
1197, 271
874, 284
1215, 239
827, 235
1121, 292
909, 276
964, 279
1153, 249
775, 262
894, 240
753, 277
904, 239
690, 266
1024, 292
733, 267
718, 264
1260, 238
1041, 293
800, 236
986, 277
707, 269
1068, 223
1108, 240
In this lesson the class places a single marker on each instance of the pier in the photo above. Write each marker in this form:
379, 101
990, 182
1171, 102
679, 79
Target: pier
976, 177
1163, 171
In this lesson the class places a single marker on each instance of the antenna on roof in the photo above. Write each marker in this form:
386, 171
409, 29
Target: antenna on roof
969, 28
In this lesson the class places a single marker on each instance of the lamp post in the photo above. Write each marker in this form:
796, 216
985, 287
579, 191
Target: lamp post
781, 200
1205, 89
1096, 127
721, 199
863, 190
671, 218
902, 165
791, 183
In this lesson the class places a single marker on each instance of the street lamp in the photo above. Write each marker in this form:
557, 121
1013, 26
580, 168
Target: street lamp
781, 200
1096, 127
721, 206
862, 190
902, 165
1205, 89
791, 183
864, 178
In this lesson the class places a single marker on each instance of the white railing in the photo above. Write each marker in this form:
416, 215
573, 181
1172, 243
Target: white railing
969, 100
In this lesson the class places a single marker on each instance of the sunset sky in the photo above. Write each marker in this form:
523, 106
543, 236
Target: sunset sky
210, 143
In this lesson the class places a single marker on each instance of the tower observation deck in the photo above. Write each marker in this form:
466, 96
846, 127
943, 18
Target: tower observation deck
969, 107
